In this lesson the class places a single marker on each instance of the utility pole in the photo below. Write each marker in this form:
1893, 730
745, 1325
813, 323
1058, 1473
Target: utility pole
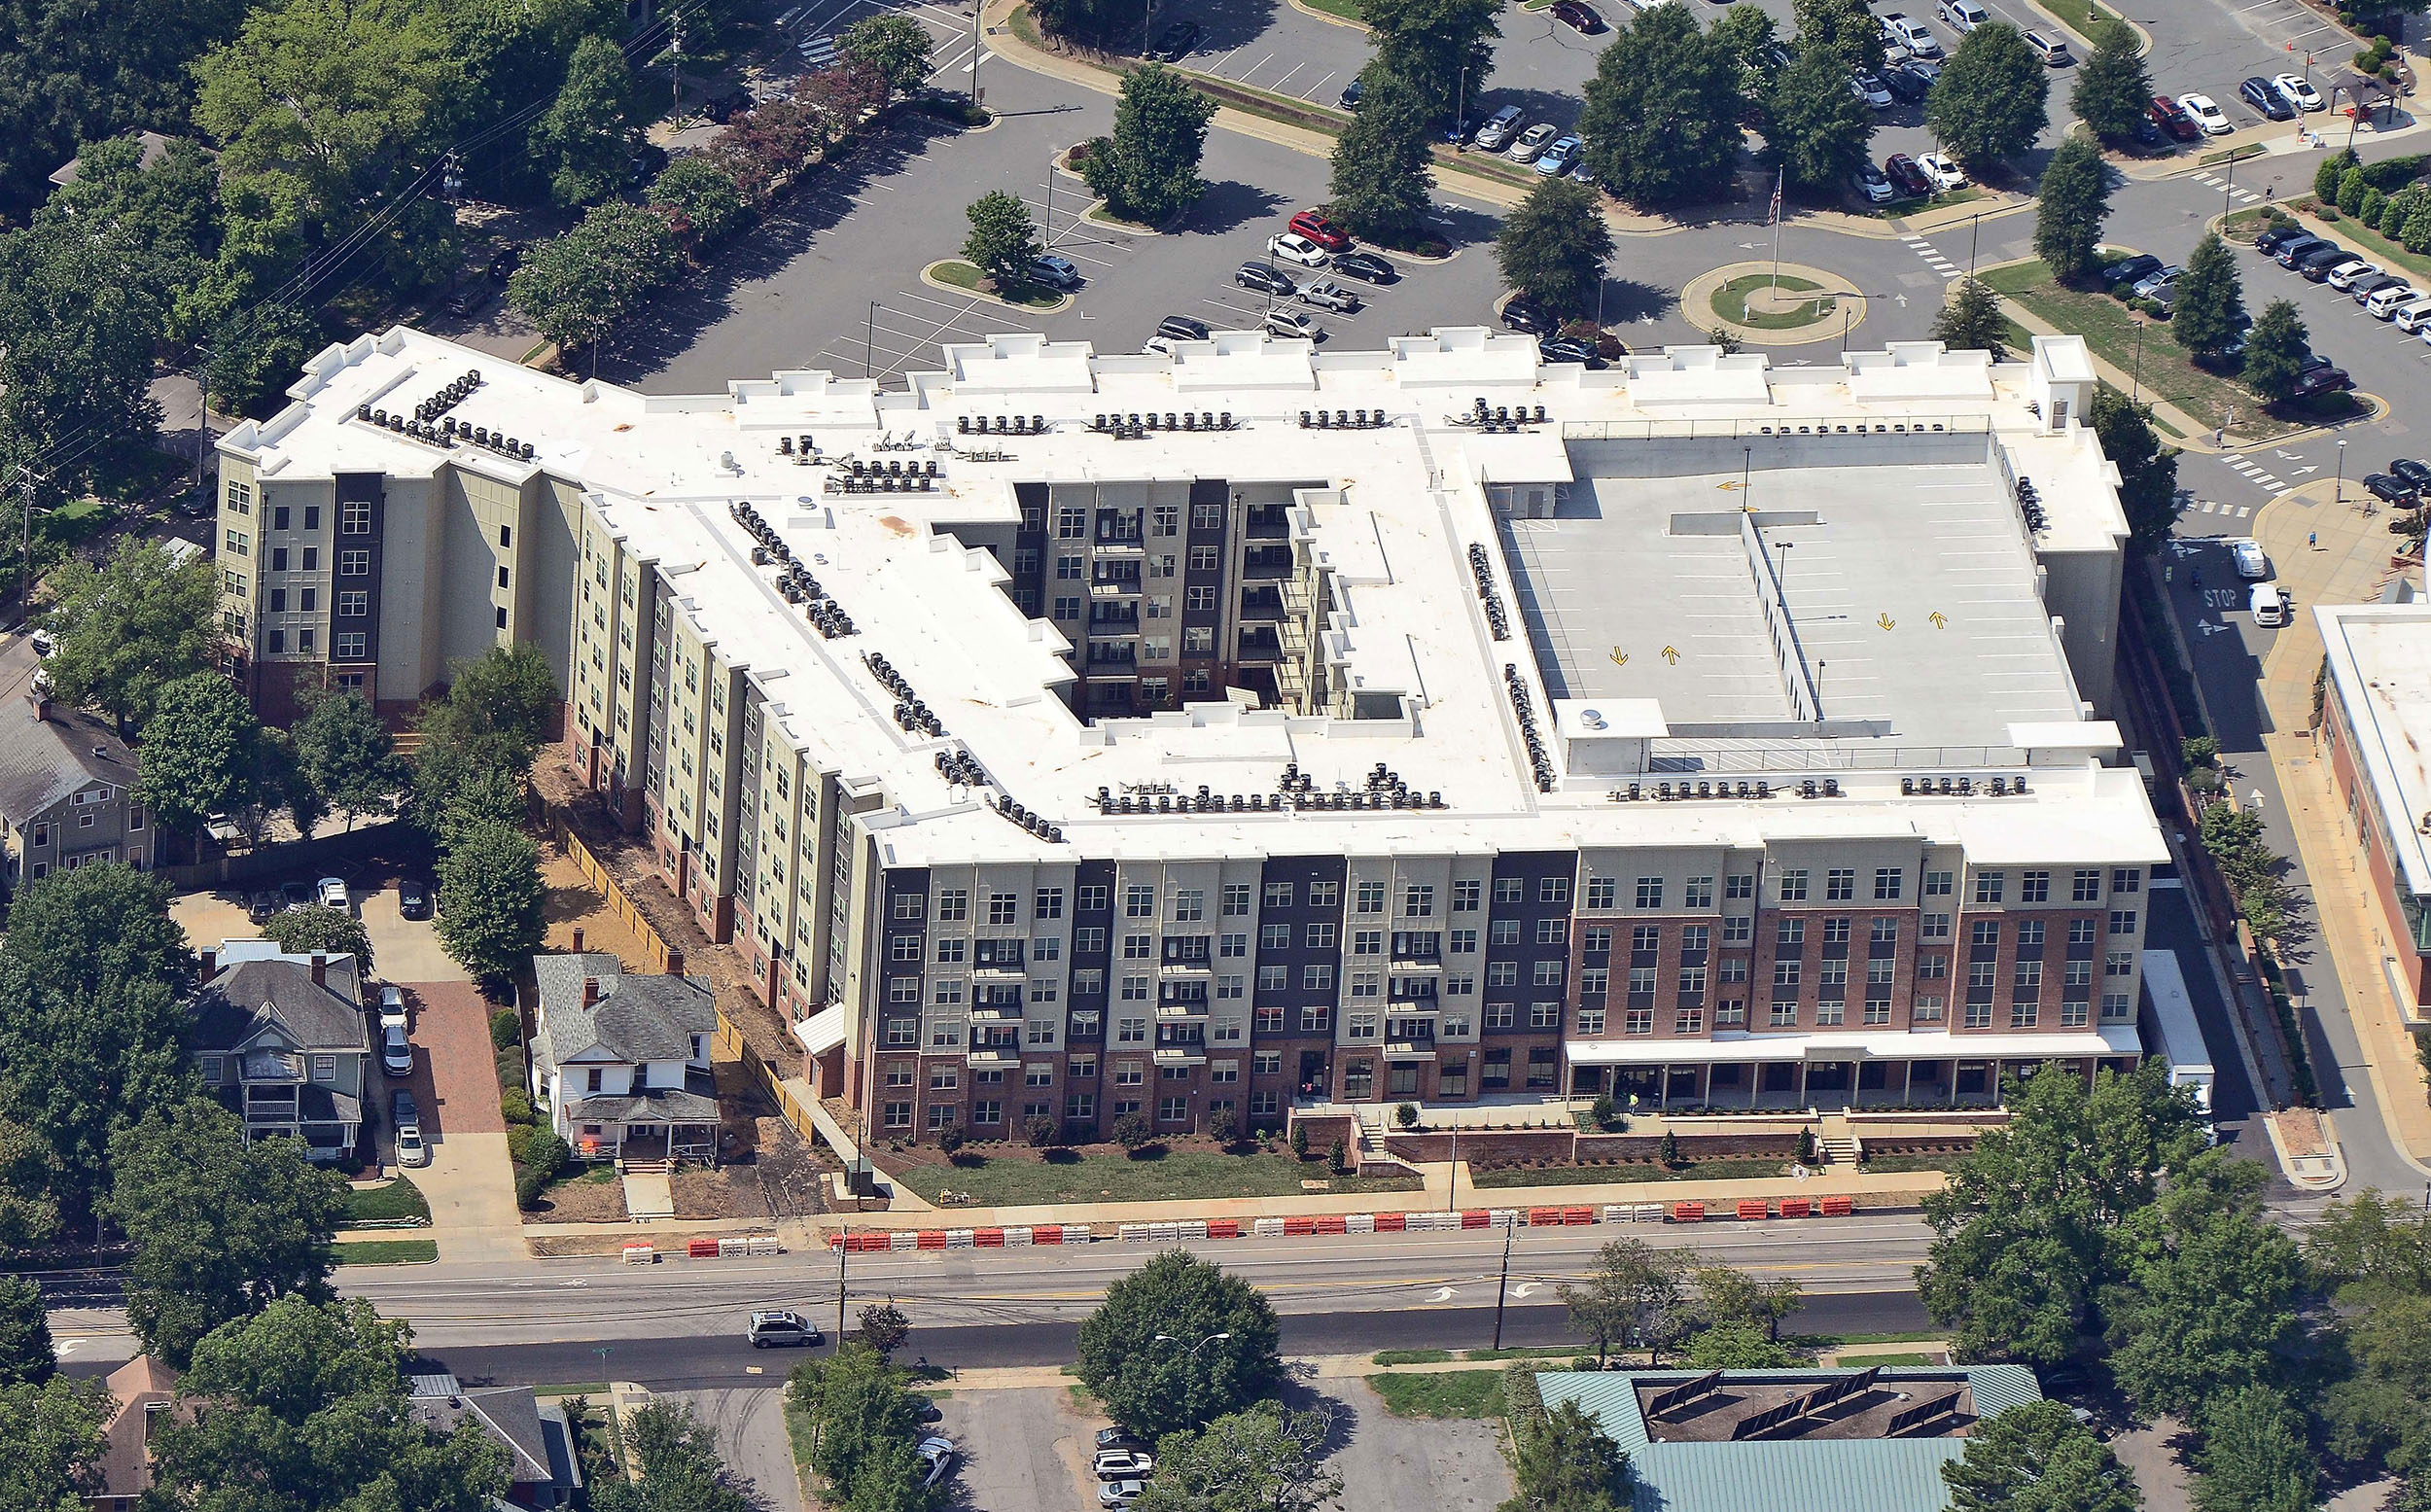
675, 61
1503, 1287
843, 1248
202, 414
25, 549
977, 6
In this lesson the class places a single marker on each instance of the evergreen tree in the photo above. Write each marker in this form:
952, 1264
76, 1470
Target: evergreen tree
1148, 169
2211, 299
2332, 172
2275, 350
2148, 470
1972, 321
2074, 200
588, 133
2113, 94
1381, 189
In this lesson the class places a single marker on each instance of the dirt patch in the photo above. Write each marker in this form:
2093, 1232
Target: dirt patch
666, 1241
581, 1201
729, 1192
574, 904
792, 1170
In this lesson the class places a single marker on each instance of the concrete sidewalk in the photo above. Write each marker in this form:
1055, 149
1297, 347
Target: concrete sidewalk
2330, 552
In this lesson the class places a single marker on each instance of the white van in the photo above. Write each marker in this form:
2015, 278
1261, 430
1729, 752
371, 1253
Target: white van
2267, 605
2412, 315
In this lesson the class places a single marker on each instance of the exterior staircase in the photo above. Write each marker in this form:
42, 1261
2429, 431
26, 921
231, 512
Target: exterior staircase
1838, 1143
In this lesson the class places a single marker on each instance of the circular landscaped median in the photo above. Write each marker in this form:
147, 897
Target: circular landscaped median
1752, 303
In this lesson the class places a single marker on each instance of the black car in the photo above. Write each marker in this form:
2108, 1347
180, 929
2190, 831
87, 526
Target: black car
1118, 1438
1177, 42
1349, 99
413, 898
2315, 264
503, 266
2389, 489
2413, 472
262, 904
2128, 271
1181, 328
923, 1410
1570, 349
295, 896
2277, 236
2265, 96
1523, 313
1264, 279
471, 300
1366, 266
1909, 81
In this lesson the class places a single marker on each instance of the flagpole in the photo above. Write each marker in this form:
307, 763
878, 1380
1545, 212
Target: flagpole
1780, 177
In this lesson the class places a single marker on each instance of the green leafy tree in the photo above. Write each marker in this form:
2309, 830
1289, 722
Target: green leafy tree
1844, 28
303, 931
1149, 170
1091, 22
1553, 247
302, 1407
1634, 1296
2212, 1298
2073, 201
579, 287
27, 1357
93, 975
1425, 43
2369, 211
70, 79
1562, 1460
1151, 1354
2038, 1457
1972, 320
53, 1433
495, 718
2352, 186
201, 752
80, 313
2025, 1231
221, 1227
866, 1425
2113, 93
1746, 31
490, 796
255, 355
588, 133
2275, 350
2254, 1456
490, 899
2212, 298
1261, 1458
2384, 1241
282, 782
682, 1471
1729, 1295
896, 48
29, 1202
1988, 103
128, 628
346, 750
1816, 128
2148, 470
1662, 111
884, 1327
1381, 188
1003, 242
1739, 1345
2332, 172
704, 193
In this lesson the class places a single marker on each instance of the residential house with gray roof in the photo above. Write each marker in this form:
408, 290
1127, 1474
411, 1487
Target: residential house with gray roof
621, 1061
66, 792
283, 1042
542, 1469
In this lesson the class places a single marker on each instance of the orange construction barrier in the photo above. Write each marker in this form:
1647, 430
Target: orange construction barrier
1329, 1223
987, 1238
1751, 1209
1839, 1206
1688, 1212
933, 1239
1796, 1207
1295, 1227
1224, 1228
1393, 1222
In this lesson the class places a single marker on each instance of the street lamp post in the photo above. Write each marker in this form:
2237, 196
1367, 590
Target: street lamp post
2137, 396
2338, 486
870, 343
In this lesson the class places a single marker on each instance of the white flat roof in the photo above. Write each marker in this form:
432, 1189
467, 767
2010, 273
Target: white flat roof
2380, 674
1880, 1044
1391, 511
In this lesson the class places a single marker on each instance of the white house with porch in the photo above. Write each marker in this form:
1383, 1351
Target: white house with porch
621, 1061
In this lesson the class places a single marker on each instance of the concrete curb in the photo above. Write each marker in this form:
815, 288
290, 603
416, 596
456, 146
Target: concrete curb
1696, 297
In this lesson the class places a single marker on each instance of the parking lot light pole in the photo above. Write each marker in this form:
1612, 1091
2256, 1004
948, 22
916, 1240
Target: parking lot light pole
2338, 484
870, 343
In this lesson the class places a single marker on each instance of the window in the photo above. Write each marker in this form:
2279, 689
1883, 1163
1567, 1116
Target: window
1742, 885
1553, 931
908, 905
1932, 966
1315, 1020
1273, 936
2085, 885
1789, 934
1553, 889
1236, 903
1003, 908
238, 542
354, 518
1278, 895
1418, 903
1738, 932
1836, 932
1190, 906
1989, 885
1134, 989
1508, 889
1786, 973
898, 1115
2030, 933
1549, 973
1370, 898
903, 1032
354, 563
240, 500
1464, 895
1649, 892
2034, 887
1498, 1015
1840, 885
1937, 884
353, 603
1545, 1015
2117, 1007
502, 576
1139, 901
1933, 926
1925, 1010
1463, 942
953, 905
1698, 893
1793, 884
1317, 979
2081, 931
304, 639
278, 601
1321, 936
1886, 931
1984, 932
2027, 977
2123, 921
1233, 945
1602, 892
1886, 882
278, 559
352, 645
2127, 879
1093, 899
1048, 902
312, 554
2119, 963
1367, 942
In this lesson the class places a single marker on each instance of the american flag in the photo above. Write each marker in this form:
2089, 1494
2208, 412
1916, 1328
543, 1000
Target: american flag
1772, 217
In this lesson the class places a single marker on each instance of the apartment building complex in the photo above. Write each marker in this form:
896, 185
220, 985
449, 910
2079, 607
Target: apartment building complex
1074, 736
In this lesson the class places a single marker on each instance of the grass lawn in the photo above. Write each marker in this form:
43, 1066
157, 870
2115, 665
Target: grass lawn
2231, 154
1412, 1357
1955, 196
2109, 330
962, 275
399, 1200
1833, 1341
1447, 1393
2388, 254
1881, 1164
388, 1251
1349, 10
1536, 1352
1860, 1361
2081, 17
1599, 1176
1730, 302
1176, 1174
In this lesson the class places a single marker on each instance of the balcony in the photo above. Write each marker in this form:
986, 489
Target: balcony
1262, 604
1114, 653
1188, 1010
1267, 522
1181, 1055
1114, 618
1410, 1044
1260, 644
1265, 564
1000, 961
1104, 588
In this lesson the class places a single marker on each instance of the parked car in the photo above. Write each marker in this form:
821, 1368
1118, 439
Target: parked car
2128, 271
1558, 157
472, 299
1962, 15
923, 1410
1119, 1494
1327, 294
1313, 224
2296, 248
392, 1003
1901, 170
2413, 472
2321, 380
1912, 35
413, 898
2248, 556
1119, 1438
1912, 81
1293, 247
1292, 324
2320, 262
396, 1050
405, 1122
333, 894
1570, 349
1871, 183
262, 903
1265, 280
2208, 116
1181, 328
1499, 128
2381, 295
1122, 1464
1348, 98
771, 1328
1055, 272
297, 894
2276, 237
937, 1454
2265, 96
2171, 116
1532, 142
2297, 91
1871, 90
2389, 488
2343, 275
2051, 49
503, 266
1942, 171
1368, 266
2158, 278
2267, 605
1177, 43
2411, 316
1521, 313
1582, 19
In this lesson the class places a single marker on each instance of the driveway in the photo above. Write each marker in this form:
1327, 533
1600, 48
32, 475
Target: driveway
469, 1182
1020, 1448
408, 950
750, 1425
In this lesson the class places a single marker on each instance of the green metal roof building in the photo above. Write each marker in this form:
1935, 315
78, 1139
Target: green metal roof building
1842, 1458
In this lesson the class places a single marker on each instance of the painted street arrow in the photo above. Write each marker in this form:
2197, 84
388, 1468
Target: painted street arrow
1441, 1294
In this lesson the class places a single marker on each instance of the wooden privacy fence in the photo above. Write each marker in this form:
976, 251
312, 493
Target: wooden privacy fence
598, 875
